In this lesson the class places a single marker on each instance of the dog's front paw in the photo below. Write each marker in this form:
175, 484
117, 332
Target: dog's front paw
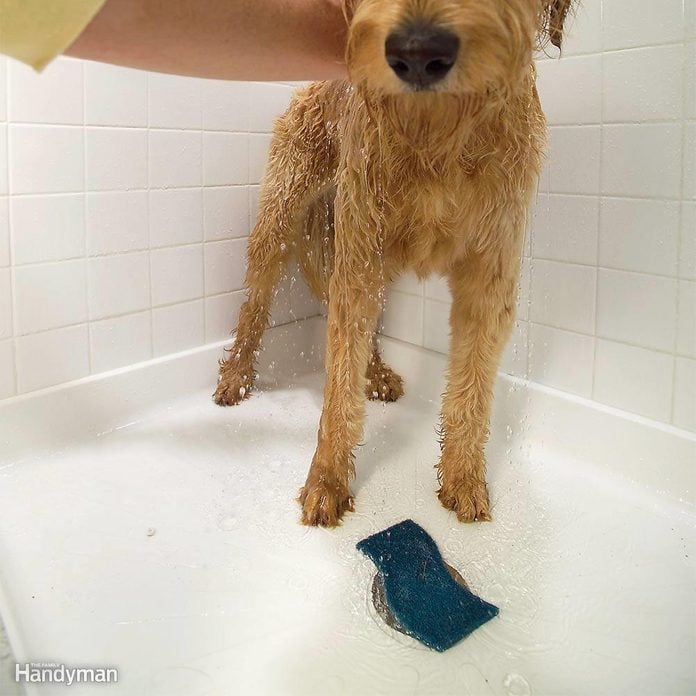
234, 386
468, 499
323, 503
383, 384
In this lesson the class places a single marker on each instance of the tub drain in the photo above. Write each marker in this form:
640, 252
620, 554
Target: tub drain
380, 603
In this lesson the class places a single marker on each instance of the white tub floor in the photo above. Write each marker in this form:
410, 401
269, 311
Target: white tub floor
171, 550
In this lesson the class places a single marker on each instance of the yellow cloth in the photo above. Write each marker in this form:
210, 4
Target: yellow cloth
36, 31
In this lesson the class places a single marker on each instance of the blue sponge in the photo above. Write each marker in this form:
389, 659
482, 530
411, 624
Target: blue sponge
424, 598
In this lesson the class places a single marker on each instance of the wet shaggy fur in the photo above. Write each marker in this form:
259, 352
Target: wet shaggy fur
368, 178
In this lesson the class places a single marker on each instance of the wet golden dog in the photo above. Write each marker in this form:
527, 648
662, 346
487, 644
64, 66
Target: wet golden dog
426, 159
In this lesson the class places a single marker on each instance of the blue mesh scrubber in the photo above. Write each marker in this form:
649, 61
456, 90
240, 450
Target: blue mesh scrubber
424, 598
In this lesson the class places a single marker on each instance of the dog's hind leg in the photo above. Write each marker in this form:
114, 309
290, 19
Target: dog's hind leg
483, 311
383, 384
298, 171
266, 255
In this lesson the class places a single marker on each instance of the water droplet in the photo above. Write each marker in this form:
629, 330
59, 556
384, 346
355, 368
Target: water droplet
516, 685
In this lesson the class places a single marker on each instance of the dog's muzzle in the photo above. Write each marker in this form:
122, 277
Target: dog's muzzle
421, 54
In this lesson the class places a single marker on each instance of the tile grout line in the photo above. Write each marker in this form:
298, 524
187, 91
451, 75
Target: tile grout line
680, 214
160, 129
595, 342
616, 49
202, 240
13, 308
90, 357
106, 191
550, 193
151, 312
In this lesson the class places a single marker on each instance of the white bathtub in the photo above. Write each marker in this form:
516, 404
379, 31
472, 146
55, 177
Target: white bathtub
144, 528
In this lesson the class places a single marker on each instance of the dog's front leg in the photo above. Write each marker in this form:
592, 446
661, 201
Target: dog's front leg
354, 303
482, 314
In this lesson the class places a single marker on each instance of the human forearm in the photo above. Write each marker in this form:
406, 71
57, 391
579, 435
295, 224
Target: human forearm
225, 39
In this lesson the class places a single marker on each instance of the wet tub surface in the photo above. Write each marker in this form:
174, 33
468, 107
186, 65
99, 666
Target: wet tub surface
171, 550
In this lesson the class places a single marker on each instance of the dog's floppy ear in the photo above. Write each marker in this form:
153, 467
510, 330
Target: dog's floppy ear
554, 16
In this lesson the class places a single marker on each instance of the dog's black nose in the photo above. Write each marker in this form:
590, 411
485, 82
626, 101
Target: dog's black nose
421, 54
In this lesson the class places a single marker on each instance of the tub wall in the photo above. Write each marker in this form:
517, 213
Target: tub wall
125, 201
606, 306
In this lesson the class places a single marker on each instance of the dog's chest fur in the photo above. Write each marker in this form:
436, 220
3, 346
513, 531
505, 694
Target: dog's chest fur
437, 187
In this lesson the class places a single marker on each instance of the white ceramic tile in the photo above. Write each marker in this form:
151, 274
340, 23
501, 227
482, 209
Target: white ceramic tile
51, 96
3, 88
47, 228
175, 159
643, 84
513, 360
529, 224
226, 105
639, 235
689, 183
45, 159
118, 285
52, 357
565, 228
642, 160
177, 274
254, 196
174, 102
178, 327
585, 105
116, 158
685, 394
625, 25
49, 296
221, 314
268, 101
403, 317
636, 308
225, 159
687, 249
4, 182
584, 29
408, 282
122, 341
686, 319
176, 217
563, 295
523, 289
690, 18
561, 359
5, 303
436, 331
7, 370
116, 222
225, 266
4, 233
294, 300
634, 379
574, 159
115, 96
436, 288
258, 155
225, 212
